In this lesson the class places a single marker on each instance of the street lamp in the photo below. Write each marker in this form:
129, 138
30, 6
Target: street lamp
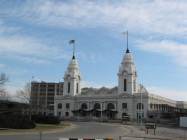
141, 106
102, 111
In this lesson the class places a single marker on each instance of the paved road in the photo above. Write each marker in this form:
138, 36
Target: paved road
78, 129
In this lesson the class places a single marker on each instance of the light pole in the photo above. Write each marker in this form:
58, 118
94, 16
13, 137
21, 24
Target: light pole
141, 106
102, 111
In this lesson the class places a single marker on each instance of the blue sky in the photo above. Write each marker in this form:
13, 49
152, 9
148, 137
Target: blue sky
34, 39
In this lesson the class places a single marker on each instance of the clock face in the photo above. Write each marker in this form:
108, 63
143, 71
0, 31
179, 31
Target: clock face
68, 76
124, 72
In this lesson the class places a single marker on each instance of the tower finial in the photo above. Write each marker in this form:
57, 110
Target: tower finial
73, 42
127, 40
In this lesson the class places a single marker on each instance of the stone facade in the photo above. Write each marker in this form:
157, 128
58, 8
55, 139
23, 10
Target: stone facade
128, 98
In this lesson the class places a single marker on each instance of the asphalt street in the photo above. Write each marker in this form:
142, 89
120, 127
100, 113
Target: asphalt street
77, 130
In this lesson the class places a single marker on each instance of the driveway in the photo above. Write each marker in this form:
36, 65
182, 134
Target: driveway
77, 130
103, 130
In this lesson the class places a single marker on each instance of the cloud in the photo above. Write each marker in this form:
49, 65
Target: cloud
176, 50
142, 18
162, 17
32, 50
4, 29
19, 45
174, 94
27, 49
2, 65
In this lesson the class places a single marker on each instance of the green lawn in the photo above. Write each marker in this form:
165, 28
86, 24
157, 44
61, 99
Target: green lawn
39, 128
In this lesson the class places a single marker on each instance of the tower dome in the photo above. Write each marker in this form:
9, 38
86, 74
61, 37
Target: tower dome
73, 68
127, 63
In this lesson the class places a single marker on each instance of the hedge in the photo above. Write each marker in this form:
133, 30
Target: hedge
16, 121
46, 119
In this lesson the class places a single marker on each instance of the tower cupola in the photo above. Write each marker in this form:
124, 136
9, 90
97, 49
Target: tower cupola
72, 78
127, 74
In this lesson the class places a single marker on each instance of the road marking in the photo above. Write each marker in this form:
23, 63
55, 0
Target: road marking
85, 139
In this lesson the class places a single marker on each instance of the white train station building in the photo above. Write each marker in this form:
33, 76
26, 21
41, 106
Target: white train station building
128, 98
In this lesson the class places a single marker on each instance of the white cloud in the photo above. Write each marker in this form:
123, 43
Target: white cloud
12, 89
176, 50
32, 50
2, 65
27, 49
165, 17
170, 93
146, 18
150, 18
22, 46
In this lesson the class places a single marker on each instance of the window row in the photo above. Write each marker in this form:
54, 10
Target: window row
60, 106
66, 114
96, 106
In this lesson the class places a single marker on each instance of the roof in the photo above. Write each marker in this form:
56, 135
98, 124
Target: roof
99, 91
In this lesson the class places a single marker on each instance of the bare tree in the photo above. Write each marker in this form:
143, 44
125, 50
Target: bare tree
25, 93
3, 80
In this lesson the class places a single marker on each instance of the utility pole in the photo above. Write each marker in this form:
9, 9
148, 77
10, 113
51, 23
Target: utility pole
141, 110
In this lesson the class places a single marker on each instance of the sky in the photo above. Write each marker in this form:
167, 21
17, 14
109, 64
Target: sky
34, 38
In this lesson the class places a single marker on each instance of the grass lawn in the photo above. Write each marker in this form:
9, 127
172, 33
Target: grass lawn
39, 128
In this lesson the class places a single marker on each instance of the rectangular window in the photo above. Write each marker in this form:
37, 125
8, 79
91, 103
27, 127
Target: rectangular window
67, 105
68, 87
125, 84
67, 114
59, 114
124, 105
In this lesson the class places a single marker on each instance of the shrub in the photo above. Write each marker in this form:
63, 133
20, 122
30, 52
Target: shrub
16, 121
46, 119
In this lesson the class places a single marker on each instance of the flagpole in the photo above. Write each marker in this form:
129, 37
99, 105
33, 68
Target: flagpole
74, 49
73, 43
127, 40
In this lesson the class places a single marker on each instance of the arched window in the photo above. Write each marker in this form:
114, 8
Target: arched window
67, 114
97, 106
84, 106
140, 106
125, 85
59, 106
110, 106
151, 106
77, 89
68, 87
124, 105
